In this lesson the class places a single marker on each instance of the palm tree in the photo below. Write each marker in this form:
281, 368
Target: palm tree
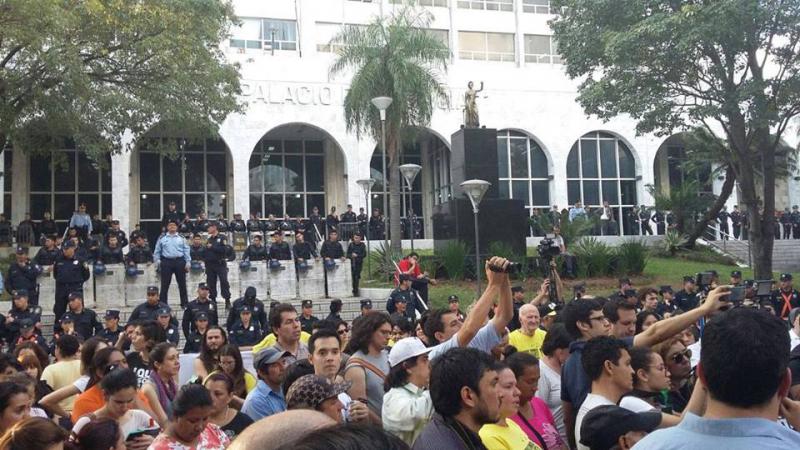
397, 57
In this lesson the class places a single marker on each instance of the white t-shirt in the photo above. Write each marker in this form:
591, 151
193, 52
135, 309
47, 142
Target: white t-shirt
133, 420
794, 339
550, 392
696, 348
592, 401
81, 383
636, 404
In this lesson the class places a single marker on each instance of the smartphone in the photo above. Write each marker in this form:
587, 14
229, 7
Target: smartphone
764, 288
147, 432
703, 279
736, 294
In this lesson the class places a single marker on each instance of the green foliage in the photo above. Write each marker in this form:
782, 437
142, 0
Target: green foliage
632, 257
571, 231
672, 243
595, 258
382, 262
454, 258
94, 71
683, 202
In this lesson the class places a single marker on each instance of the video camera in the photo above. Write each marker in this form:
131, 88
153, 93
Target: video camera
548, 249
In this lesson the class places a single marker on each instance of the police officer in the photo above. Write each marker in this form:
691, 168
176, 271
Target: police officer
667, 303
172, 256
122, 238
201, 224
246, 332
111, 252
201, 304
148, 311
332, 249
376, 225
786, 297
408, 294
194, 340
687, 298
69, 274
795, 218
171, 215
111, 329
302, 250
644, 219
736, 221
254, 225
745, 221
786, 223
237, 225
722, 218
736, 278
139, 253
356, 252
256, 308
332, 220
27, 333
222, 224
99, 227
316, 230
401, 314
21, 309
196, 250
659, 219
216, 264
46, 256
270, 225
279, 250
366, 306
362, 220
86, 323
256, 251
22, 276
307, 318
348, 216
167, 323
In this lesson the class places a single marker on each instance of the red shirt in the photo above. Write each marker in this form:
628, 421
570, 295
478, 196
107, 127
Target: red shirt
404, 265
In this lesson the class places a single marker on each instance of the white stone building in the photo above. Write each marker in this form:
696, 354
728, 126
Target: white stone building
291, 150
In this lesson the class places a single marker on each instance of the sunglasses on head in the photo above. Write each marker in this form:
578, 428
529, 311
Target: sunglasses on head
678, 357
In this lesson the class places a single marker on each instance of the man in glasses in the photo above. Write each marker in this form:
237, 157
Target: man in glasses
584, 320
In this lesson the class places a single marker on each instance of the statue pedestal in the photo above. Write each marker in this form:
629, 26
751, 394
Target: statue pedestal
474, 156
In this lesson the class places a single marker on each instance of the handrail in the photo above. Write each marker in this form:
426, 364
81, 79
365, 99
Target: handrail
730, 237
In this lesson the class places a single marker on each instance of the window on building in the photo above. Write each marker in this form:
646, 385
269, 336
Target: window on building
439, 3
440, 162
600, 167
412, 154
196, 180
488, 5
522, 169
287, 177
263, 33
64, 179
541, 49
537, 7
486, 46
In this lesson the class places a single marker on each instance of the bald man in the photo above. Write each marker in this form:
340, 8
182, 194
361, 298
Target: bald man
278, 430
529, 337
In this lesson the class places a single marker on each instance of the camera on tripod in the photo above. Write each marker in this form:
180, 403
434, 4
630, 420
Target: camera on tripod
548, 248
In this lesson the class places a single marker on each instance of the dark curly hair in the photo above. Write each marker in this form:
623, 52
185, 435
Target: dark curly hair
363, 329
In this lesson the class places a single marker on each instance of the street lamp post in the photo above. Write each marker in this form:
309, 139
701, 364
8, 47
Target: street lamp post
366, 186
410, 172
383, 103
475, 190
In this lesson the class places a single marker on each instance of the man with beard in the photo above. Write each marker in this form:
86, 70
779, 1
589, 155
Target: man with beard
463, 386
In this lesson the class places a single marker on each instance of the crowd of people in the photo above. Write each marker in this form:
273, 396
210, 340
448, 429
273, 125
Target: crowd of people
646, 368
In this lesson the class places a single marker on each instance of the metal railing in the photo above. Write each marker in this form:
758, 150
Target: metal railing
724, 237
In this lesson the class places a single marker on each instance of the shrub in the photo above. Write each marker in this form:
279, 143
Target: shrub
595, 258
673, 242
454, 258
632, 257
383, 262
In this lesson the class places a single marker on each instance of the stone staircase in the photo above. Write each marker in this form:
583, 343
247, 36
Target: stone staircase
785, 254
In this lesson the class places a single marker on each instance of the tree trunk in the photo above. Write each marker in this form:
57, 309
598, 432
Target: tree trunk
711, 214
395, 232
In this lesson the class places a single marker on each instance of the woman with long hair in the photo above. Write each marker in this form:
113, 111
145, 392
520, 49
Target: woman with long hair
231, 421
230, 362
650, 384
369, 360
645, 319
33, 433
407, 405
99, 434
533, 416
119, 393
24, 379
93, 399
506, 434
190, 427
52, 401
35, 349
160, 389
31, 366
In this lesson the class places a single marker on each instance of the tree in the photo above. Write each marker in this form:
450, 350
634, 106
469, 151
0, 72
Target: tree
395, 57
729, 65
94, 71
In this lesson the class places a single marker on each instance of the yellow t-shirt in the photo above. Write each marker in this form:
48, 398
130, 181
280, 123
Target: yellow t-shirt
270, 340
249, 381
511, 437
528, 344
60, 374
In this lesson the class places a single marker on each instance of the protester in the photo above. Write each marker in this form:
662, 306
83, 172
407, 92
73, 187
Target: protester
206, 362
465, 398
97, 435
33, 371
285, 325
190, 426
326, 360
230, 362
66, 370
742, 381
677, 359
51, 402
532, 415
645, 320
92, 398
119, 390
505, 434
529, 337
231, 421
318, 393
267, 398
160, 389
611, 427
145, 337
650, 378
348, 437
555, 350
280, 430
369, 361
14, 404
407, 404
33, 433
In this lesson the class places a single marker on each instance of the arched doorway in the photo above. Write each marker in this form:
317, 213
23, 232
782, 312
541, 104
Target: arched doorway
295, 168
601, 167
671, 170
523, 170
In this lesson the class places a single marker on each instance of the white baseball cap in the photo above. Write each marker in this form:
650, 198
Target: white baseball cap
407, 348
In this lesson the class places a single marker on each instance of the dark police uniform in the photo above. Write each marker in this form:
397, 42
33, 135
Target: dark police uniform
256, 307
357, 262
795, 218
785, 301
722, 218
35, 338
172, 333
736, 223
644, 218
147, 312
201, 225
304, 250
315, 230
686, 300
194, 309
331, 249
13, 327
255, 253
245, 336
222, 225
197, 253
280, 251
170, 216
139, 254
86, 323
348, 217
215, 260
69, 274
110, 255
362, 220
254, 226
237, 225
331, 222
111, 336
193, 343
23, 278
45, 257
410, 296
307, 323
122, 238
376, 227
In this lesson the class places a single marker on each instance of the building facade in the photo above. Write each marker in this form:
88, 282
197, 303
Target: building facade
291, 151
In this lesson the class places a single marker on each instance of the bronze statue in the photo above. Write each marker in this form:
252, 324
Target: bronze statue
471, 119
